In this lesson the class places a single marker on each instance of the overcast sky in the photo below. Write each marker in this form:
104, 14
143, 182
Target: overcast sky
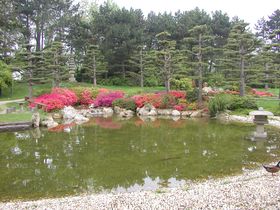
249, 10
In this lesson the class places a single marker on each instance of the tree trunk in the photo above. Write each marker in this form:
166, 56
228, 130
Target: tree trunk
38, 37
94, 71
266, 76
242, 74
200, 103
141, 69
123, 70
0, 91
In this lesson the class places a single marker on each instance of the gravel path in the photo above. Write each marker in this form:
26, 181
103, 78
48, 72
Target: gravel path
252, 190
11, 101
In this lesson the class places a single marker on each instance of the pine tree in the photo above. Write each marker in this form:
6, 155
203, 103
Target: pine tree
200, 46
240, 45
168, 58
94, 64
56, 63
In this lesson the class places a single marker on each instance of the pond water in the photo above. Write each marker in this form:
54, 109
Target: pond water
111, 155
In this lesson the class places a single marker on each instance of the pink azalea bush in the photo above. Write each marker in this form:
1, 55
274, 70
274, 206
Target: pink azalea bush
106, 99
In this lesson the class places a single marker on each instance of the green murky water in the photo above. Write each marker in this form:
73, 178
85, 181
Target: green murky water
111, 155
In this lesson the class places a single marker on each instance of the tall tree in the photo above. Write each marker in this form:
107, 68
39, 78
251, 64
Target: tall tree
200, 45
94, 63
55, 63
240, 45
168, 58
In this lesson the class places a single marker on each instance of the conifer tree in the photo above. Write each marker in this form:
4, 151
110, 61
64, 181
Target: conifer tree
200, 46
168, 58
56, 63
94, 64
240, 45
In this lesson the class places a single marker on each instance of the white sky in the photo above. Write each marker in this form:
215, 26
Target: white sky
249, 10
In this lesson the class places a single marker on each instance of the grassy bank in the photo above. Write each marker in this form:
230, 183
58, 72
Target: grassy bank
15, 117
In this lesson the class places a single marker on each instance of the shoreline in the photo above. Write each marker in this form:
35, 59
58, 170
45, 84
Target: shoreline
253, 189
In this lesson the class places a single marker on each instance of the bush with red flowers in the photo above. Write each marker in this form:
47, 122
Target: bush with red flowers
261, 93
57, 99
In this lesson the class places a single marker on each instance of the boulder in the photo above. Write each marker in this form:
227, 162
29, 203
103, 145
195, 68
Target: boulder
147, 110
175, 113
79, 119
117, 109
49, 122
35, 119
126, 113
187, 113
69, 112
108, 111
196, 114
164, 111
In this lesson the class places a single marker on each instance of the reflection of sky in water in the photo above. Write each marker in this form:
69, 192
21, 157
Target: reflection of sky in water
22, 136
151, 184
16, 150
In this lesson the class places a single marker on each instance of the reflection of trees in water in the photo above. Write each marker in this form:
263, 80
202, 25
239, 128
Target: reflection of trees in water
90, 157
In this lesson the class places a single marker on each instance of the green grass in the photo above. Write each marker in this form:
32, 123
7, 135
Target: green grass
15, 117
20, 90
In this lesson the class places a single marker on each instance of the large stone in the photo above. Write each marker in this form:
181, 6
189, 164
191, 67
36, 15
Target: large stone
69, 112
197, 114
175, 113
164, 111
108, 111
49, 122
35, 119
79, 119
187, 113
126, 113
117, 109
147, 110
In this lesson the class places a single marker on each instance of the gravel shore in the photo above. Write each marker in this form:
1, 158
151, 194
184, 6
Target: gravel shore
255, 189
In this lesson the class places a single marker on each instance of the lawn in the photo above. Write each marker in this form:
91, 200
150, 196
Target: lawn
20, 90
15, 117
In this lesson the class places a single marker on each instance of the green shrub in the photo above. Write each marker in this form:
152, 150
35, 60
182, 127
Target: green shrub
222, 102
219, 103
151, 81
182, 84
125, 103
192, 95
245, 102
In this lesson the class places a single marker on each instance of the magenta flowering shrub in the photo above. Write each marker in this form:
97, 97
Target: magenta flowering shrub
57, 99
106, 99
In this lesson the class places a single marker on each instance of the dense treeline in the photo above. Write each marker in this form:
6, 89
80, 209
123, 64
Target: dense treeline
117, 46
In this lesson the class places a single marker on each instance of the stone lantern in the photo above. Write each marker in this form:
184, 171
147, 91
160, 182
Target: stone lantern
260, 119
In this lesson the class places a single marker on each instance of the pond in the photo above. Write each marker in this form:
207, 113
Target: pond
112, 155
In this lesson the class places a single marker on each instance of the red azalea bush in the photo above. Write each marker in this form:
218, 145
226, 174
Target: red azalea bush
86, 97
141, 100
106, 99
180, 107
178, 94
57, 99
68, 96
261, 93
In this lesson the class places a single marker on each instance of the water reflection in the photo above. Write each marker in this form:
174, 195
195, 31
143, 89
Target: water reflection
108, 154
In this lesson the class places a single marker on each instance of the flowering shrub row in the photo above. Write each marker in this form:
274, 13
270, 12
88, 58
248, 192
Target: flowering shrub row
261, 93
60, 97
